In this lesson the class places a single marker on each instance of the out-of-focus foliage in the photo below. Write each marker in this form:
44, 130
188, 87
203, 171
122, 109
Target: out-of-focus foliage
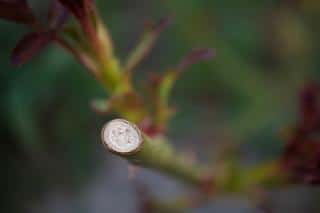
266, 51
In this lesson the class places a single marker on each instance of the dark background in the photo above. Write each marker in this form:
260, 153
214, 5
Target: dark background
51, 156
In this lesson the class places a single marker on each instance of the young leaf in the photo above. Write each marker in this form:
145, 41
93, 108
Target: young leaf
17, 11
194, 57
57, 15
79, 8
309, 108
29, 45
146, 43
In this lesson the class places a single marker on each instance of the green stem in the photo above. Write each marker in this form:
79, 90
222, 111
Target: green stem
266, 175
159, 155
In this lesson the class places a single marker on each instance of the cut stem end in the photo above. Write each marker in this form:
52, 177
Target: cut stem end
121, 137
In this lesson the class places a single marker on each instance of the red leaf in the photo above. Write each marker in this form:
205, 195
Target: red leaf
194, 57
29, 45
58, 15
156, 28
17, 11
310, 106
77, 7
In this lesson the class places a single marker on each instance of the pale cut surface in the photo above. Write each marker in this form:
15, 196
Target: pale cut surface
121, 136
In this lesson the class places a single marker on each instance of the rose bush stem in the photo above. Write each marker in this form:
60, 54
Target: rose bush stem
159, 155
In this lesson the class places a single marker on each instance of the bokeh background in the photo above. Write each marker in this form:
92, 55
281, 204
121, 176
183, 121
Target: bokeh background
51, 156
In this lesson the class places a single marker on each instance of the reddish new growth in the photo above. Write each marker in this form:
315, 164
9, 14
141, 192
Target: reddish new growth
301, 157
46, 30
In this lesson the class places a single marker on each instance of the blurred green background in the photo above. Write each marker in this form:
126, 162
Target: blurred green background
51, 154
